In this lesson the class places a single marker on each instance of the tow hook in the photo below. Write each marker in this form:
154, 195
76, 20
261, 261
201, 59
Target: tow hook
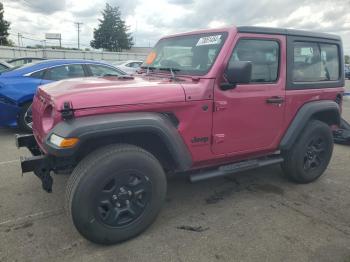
43, 174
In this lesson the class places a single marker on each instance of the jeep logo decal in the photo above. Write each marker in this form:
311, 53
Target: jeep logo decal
200, 139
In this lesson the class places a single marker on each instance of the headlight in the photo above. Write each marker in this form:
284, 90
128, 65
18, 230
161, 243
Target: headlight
62, 141
48, 118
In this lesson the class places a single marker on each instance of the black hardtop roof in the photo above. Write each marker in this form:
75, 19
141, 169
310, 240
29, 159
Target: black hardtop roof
284, 31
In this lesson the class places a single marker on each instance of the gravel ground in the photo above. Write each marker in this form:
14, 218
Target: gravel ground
251, 216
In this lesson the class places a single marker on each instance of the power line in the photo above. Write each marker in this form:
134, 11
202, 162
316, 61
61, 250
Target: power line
78, 25
22, 36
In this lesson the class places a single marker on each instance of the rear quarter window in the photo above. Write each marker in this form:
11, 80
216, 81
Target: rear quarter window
315, 62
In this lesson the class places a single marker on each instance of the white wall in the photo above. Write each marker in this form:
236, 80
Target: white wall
7, 53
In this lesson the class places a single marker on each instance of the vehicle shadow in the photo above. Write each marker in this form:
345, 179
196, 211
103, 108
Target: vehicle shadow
11, 131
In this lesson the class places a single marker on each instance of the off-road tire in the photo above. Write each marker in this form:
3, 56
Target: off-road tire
316, 137
89, 177
22, 124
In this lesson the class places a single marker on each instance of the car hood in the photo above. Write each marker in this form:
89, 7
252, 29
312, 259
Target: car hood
111, 91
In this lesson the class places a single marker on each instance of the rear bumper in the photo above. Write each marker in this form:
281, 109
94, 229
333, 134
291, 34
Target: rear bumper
9, 114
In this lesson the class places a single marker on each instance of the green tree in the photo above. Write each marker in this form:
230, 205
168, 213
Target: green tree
347, 59
4, 28
112, 33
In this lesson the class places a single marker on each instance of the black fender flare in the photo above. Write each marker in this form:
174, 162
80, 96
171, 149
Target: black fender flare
99, 126
304, 115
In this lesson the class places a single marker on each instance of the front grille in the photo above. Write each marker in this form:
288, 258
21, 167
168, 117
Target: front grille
37, 110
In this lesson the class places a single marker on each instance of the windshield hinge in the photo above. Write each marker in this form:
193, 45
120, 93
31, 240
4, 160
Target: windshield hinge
67, 111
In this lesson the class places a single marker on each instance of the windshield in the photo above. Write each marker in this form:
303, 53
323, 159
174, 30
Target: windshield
190, 54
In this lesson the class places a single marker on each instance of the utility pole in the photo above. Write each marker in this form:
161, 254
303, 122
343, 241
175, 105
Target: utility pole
135, 33
78, 27
19, 39
43, 44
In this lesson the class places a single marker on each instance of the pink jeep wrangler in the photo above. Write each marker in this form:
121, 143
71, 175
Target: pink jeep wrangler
212, 102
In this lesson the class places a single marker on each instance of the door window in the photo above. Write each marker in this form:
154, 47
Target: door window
38, 74
264, 56
65, 72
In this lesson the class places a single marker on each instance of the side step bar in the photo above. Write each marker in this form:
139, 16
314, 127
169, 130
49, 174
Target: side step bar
235, 168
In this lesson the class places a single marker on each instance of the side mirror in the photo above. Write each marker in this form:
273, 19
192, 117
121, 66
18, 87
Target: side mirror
238, 72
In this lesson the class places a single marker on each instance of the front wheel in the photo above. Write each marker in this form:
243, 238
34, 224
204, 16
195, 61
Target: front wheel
115, 193
310, 155
25, 119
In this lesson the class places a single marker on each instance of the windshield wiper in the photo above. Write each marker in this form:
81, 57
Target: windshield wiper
106, 75
148, 68
171, 69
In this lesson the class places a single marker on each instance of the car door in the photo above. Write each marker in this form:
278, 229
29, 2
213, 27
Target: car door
249, 117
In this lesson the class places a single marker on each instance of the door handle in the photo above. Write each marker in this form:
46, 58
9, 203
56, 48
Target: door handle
275, 100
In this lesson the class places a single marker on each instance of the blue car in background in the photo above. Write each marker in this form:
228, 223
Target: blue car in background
18, 85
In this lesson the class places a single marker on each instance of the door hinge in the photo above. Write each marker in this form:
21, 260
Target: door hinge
220, 105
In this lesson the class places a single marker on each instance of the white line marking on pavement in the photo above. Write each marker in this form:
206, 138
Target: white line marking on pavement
9, 162
43, 214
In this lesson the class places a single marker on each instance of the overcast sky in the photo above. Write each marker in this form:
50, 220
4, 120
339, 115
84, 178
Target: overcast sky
149, 20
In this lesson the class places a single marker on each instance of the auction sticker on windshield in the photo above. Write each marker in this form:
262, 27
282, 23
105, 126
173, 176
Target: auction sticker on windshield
209, 40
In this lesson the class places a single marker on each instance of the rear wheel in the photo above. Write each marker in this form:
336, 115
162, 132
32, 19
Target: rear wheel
115, 193
25, 119
310, 155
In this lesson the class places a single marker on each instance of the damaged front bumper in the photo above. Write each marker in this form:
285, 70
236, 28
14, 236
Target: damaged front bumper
39, 163
342, 134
